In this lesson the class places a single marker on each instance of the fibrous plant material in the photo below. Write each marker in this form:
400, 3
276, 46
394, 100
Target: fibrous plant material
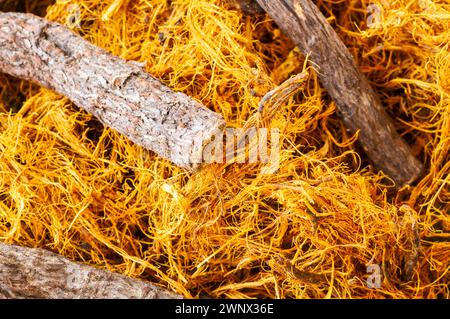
358, 104
120, 94
313, 229
38, 273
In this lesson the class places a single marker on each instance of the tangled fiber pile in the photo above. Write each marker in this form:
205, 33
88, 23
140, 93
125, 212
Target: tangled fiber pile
310, 229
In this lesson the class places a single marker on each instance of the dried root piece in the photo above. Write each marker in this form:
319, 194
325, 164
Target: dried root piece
120, 94
358, 104
37, 273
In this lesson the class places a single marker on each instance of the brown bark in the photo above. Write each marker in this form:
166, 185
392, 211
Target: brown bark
37, 273
119, 93
357, 103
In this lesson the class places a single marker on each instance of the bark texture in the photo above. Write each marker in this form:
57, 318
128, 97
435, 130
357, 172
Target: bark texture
119, 93
37, 273
248, 7
357, 103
